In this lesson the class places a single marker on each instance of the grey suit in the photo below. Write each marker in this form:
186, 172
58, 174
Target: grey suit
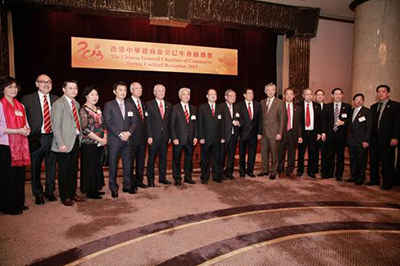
66, 133
273, 122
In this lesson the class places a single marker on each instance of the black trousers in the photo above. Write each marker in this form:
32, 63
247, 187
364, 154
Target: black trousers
322, 152
49, 157
396, 176
248, 146
310, 144
12, 182
188, 163
358, 162
160, 148
335, 148
228, 149
114, 153
210, 152
288, 145
68, 172
383, 156
138, 155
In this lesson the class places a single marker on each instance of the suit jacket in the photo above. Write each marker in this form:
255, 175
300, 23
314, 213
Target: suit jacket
273, 122
180, 129
296, 126
318, 116
63, 124
389, 125
116, 124
360, 129
329, 117
210, 127
157, 127
139, 136
227, 120
250, 128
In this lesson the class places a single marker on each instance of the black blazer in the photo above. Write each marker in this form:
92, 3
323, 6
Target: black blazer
33, 111
157, 127
210, 127
179, 128
360, 129
227, 121
318, 116
139, 136
296, 127
250, 128
116, 124
328, 120
389, 126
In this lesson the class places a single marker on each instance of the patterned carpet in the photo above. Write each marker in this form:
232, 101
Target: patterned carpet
251, 221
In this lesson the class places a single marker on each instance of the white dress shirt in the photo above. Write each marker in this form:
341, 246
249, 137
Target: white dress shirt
311, 106
41, 99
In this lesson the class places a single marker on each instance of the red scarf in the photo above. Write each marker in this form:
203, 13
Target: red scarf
19, 146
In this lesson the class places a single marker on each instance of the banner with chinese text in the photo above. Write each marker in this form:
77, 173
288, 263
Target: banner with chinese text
146, 56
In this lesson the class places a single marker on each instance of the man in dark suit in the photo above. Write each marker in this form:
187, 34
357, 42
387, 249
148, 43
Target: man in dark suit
273, 122
38, 112
319, 98
67, 136
250, 131
336, 119
231, 123
121, 121
311, 124
360, 127
384, 137
158, 134
291, 135
210, 135
183, 131
139, 138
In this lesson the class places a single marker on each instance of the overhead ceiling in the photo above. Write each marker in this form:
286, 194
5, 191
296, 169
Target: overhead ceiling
329, 8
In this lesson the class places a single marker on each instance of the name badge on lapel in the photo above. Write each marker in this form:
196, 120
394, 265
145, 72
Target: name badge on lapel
344, 115
237, 115
193, 117
18, 113
219, 117
130, 113
361, 119
146, 113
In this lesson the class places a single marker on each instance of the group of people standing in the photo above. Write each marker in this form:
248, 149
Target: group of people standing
44, 127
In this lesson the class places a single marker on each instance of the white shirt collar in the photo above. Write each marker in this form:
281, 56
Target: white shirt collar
158, 102
119, 101
247, 103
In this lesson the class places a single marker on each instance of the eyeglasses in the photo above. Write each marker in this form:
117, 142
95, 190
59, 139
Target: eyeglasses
45, 81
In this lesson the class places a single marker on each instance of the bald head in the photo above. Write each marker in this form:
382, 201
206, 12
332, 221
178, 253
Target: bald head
44, 84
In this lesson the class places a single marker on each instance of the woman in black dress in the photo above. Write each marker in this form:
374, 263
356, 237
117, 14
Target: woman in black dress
93, 142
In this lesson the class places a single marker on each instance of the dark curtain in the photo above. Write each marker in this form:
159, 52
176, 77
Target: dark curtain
43, 45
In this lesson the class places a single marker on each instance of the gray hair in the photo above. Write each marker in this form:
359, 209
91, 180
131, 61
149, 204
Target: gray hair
270, 85
181, 90
133, 84
228, 91
157, 86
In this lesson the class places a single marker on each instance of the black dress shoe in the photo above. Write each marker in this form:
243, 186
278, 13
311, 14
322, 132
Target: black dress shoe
165, 182
13, 212
299, 174
178, 183
386, 187
141, 185
251, 175
68, 203
262, 174
24, 208
39, 201
372, 183
132, 190
218, 181
114, 194
205, 182
93, 195
50, 197
339, 178
151, 185
100, 193
272, 177
350, 180
190, 181
230, 176
359, 183
241, 175
312, 175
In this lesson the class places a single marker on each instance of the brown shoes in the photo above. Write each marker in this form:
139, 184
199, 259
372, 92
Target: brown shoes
78, 199
68, 203
281, 175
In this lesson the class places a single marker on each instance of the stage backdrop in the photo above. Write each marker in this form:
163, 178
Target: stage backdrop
43, 45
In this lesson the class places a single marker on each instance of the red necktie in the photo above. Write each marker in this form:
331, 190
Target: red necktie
308, 116
161, 110
187, 115
46, 115
75, 113
140, 109
212, 110
289, 117
250, 113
